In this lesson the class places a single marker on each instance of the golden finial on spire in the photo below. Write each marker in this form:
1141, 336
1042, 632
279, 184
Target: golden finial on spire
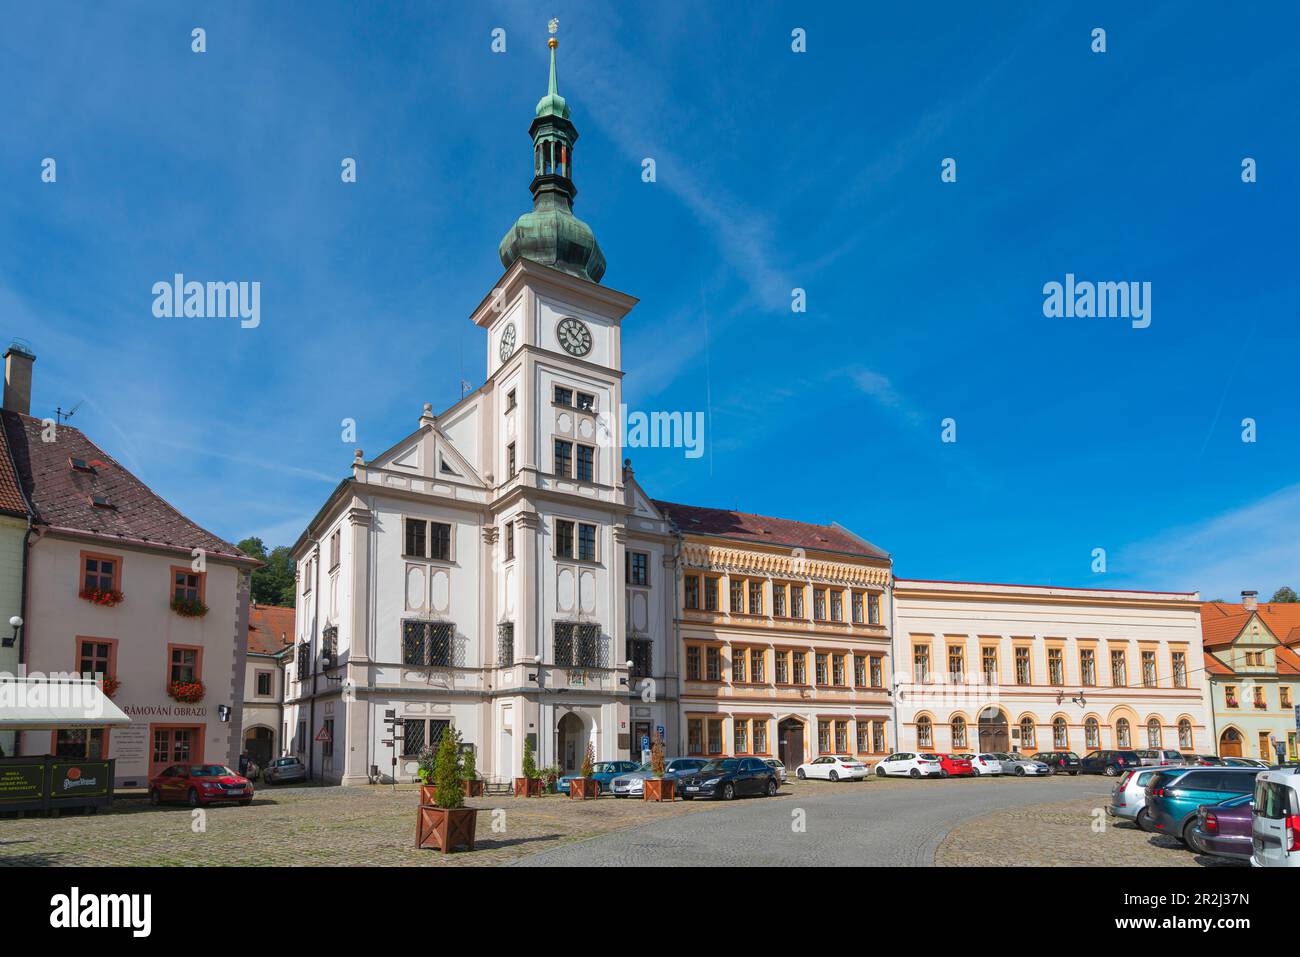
551, 28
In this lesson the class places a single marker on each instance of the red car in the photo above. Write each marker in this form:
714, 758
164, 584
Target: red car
955, 767
198, 784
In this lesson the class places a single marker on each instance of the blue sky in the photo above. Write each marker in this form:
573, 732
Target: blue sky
775, 170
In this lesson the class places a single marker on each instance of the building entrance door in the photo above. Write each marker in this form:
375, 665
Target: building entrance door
993, 730
572, 743
1230, 744
790, 743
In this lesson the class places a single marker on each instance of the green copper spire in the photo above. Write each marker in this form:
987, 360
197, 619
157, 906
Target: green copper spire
551, 234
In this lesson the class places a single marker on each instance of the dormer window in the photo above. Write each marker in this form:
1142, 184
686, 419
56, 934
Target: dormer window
81, 465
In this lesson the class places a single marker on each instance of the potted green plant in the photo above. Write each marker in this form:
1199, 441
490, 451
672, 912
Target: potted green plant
425, 772
657, 787
446, 823
469, 771
530, 785
550, 779
583, 787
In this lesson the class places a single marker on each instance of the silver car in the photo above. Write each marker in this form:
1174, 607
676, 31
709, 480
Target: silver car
1128, 801
632, 784
1019, 765
778, 767
284, 771
1161, 758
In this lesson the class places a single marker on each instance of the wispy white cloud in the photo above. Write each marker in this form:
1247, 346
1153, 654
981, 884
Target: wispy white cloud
1255, 546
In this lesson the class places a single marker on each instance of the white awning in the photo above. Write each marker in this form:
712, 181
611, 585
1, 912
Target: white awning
34, 704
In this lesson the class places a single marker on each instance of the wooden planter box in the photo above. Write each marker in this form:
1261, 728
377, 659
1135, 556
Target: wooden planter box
528, 787
658, 789
428, 794
441, 829
473, 789
584, 789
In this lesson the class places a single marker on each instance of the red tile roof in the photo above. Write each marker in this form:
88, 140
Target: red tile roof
1221, 622
65, 498
270, 629
1213, 666
11, 496
694, 520
1288, 662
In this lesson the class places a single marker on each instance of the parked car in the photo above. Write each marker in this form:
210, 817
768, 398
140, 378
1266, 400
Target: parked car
1224, 829
199, 784
1174, 794
632, 784
1061, 762
779, 768
984, 765
1275, 821
1128, 800
954, 765
728, 778
908, 764
285, 770
1109, 763
1020, 765
1246, 763
1203, 760
832, 768
1160, 758
602, 772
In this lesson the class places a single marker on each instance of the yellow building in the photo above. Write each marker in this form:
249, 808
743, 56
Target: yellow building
783, 636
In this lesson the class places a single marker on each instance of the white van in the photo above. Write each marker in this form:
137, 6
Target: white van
1275, 822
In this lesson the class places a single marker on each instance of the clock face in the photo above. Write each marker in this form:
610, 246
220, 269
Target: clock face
574, 336
507, 347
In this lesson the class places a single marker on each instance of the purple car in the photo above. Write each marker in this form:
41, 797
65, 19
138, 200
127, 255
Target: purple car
1224, 830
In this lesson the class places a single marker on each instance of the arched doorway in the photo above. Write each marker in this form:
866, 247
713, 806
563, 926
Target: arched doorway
789, 737
993, 730
259, 745
1230, 743
571, 740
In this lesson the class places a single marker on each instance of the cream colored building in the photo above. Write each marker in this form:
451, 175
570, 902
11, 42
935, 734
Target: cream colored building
783, 638
1031, 668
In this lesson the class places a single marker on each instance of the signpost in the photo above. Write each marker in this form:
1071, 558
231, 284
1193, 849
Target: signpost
51, 783
394, 725
645, 749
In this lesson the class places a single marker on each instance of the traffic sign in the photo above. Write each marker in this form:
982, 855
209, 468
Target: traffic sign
323, 734
645, 742
660, 730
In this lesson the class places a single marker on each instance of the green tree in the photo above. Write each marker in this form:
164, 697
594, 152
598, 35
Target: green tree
446, 773
530, 762
1285, 594
273, 581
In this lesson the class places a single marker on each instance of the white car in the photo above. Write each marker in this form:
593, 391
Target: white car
907, 764
984, 764
778, 767
832, 768
1275, 821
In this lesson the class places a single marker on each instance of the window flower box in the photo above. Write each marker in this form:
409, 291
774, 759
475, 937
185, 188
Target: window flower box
107, 597
186, 692
189, 607
110, 685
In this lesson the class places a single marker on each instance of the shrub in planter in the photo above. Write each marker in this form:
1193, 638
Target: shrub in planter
530, 785
583, 787
447, 823
102, 596
550, 779
657, 788
189, 607
186, 692
469, 770
428, 761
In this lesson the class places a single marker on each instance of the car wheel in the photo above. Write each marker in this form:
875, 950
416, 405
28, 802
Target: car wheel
880, 772
154, 797
799, 774
1074, 774
728, 791
1188, 839
193, 799
771, 788
1143, 820
943, 774
1020, 772
915, 773
1111, 770
834, 776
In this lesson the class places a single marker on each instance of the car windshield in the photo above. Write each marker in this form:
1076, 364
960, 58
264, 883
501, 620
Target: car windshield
928, 757
604, 767
210, 771
725, 765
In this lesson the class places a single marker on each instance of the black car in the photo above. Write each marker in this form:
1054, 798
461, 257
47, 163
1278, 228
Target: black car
1109, 763
1061, 762
727, 778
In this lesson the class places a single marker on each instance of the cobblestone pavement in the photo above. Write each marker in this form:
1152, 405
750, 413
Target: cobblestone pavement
312, 826
890, 822
1063, 835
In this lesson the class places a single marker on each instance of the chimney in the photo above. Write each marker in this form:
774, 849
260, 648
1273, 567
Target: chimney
18, 377
1249, 600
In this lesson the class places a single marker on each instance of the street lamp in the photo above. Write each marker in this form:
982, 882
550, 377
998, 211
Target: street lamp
9, 640
628, 664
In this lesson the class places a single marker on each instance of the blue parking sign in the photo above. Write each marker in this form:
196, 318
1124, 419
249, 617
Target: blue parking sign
662, 736
645, 742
